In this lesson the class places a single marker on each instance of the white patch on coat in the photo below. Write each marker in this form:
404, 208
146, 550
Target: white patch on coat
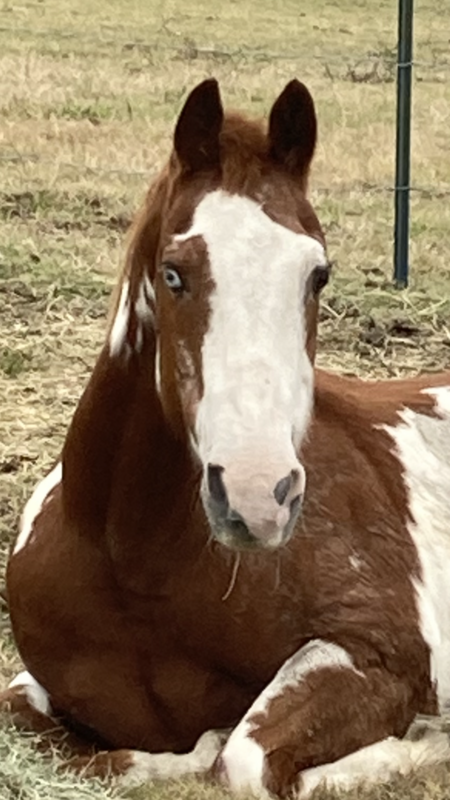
377, 763
185, 364
36, 695
158, 368
139, 339
258, 379
35, 505
242, 756
165, 766
422, 445
118, 334
355, 561
144, 309
441, 396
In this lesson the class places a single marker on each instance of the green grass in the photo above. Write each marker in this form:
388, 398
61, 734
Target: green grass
88, 96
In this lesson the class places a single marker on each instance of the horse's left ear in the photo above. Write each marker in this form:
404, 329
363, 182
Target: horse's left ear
293, 129
197, 131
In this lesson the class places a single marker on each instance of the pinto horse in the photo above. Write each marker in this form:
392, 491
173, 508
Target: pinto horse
241, 566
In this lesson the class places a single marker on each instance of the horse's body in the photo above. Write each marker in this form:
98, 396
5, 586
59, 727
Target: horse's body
141, 628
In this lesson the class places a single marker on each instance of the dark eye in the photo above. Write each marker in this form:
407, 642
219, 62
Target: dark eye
173, 280
319, 279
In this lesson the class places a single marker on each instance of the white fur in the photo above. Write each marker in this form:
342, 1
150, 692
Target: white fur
37, 696
158, 368
144, 309
118, 334
143, 304
186, 367
35, 505
355, 561
441, 395
243, 757
164, 766
377, 763
258, 380
422, 444
194, 445
244, 761
144, 314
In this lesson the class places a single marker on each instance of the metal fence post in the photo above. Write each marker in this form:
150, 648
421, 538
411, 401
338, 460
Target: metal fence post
403, 143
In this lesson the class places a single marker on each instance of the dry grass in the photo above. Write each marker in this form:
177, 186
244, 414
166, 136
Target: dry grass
88, 93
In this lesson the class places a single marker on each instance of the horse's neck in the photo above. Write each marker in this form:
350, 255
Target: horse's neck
122, 465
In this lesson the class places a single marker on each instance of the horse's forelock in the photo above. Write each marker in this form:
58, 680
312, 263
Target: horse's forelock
245, 162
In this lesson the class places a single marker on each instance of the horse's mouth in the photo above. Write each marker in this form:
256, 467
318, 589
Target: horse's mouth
234, 534
251, 517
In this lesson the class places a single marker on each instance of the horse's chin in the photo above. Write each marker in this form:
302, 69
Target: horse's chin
245, 543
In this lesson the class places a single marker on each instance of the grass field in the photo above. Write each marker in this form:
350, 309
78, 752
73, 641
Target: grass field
88, 95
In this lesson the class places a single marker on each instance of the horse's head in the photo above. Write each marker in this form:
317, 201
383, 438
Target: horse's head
235, 256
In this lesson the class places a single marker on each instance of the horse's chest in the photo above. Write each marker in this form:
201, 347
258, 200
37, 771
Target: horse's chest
199, 696
203, 646
207, 668
235, 637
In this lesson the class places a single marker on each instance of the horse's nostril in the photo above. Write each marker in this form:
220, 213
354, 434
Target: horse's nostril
216, 486
284, 486
281, 490
294, 506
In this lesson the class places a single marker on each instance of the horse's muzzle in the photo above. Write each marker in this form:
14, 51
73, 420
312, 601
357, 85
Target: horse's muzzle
267, 525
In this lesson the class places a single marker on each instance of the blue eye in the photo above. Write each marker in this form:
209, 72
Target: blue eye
173, 279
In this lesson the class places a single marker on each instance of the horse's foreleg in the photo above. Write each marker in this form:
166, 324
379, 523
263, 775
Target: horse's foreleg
28, 705
317, 721
133, 767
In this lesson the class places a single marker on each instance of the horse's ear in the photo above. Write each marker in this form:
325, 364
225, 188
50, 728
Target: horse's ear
197, 131
293, 129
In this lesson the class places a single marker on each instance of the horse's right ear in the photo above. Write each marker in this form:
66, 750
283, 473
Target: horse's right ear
197, 131
293, 129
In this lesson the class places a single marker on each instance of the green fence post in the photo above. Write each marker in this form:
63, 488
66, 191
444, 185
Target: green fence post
403, 143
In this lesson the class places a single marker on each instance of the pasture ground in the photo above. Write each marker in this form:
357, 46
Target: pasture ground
88, 96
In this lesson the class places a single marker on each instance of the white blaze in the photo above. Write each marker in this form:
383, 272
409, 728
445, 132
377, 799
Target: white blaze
258, 379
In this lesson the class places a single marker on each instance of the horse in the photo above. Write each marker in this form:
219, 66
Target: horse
240, 566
